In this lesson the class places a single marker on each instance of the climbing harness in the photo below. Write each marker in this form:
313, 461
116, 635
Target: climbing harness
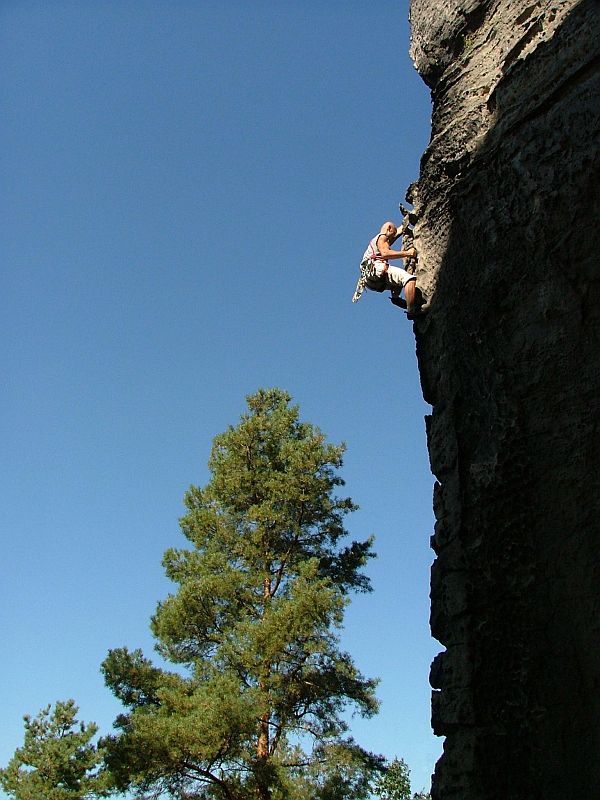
368, 275
369, 279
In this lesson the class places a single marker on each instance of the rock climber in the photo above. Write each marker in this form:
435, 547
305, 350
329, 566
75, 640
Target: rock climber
378, 274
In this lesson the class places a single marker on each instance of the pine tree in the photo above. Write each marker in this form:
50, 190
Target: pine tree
393, 783
255, 706
58, 761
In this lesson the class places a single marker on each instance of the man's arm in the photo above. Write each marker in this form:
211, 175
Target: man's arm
387, 252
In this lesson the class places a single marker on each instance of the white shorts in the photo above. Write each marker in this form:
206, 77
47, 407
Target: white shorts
397, 277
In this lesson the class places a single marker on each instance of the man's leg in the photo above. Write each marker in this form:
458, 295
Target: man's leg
399, 279
414, 300
398, 301
410, 295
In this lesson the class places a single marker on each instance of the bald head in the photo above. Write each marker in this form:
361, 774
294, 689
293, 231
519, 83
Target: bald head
389, 228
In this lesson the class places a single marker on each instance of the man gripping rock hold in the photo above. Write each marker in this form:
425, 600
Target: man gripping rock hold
378, 274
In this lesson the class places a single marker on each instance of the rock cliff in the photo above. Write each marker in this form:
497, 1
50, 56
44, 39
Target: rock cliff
508, 211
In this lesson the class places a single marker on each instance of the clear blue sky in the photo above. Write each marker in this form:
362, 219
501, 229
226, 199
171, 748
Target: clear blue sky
187, 190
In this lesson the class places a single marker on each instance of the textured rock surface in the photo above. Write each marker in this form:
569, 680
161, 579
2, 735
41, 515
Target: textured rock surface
508, 202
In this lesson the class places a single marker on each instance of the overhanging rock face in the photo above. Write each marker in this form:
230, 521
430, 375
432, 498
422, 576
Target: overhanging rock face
508, 202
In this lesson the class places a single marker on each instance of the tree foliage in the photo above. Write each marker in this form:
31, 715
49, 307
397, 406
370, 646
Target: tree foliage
58, 760
255, 705
393, 783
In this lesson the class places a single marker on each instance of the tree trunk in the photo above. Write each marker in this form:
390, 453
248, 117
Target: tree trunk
263, 789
